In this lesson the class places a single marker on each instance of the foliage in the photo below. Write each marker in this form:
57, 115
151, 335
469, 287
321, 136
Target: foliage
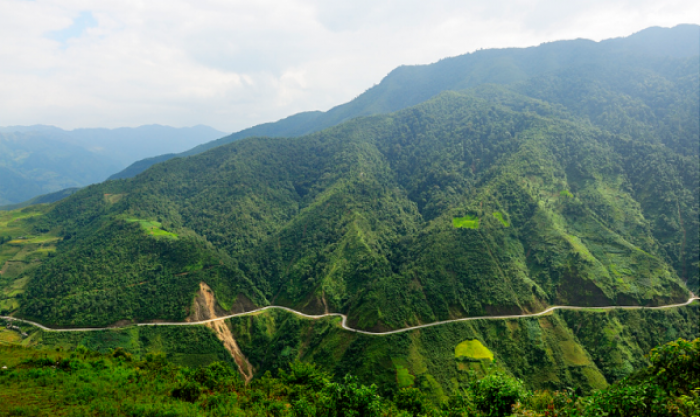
466, 222
363, 223
669, 387
411, 400
473, 349
84, 382
360, 219
496, 394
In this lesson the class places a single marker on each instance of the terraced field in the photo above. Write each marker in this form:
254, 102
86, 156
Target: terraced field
22, 249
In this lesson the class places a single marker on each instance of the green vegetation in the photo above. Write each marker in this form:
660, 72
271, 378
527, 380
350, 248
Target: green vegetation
473, 349
499, 216
152, 228
552, 352
23, 248
403, 378
580, 187
82, 382
466, 222
364, 218
358, 225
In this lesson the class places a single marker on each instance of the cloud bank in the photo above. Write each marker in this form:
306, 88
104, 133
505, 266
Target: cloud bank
234, 64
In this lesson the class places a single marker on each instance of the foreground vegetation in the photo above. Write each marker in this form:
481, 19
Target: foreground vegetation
86, 383
584, 349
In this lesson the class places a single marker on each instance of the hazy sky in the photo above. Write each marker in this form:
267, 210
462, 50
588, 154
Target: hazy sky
233, 64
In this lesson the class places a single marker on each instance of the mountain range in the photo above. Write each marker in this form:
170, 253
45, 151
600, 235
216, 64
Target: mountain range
498, 182
39, 159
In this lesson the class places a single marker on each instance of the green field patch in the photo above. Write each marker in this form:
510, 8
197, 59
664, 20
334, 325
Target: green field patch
113, 198
595, 379
33, 240
499, 216
566, 193
404, 379
466, 222
153, 228
473, 349
9, 337
573, 353
13, 216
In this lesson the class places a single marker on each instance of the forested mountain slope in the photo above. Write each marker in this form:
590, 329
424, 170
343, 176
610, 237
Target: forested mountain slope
473, 203
648, 50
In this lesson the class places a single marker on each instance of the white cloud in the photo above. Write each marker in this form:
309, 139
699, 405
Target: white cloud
234, 64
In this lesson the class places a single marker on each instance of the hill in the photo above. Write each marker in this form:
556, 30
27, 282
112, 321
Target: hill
410, 85
42, 199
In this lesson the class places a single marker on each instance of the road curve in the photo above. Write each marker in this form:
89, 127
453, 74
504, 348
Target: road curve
345, 318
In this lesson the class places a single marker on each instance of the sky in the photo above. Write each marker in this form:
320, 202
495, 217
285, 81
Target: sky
233, 64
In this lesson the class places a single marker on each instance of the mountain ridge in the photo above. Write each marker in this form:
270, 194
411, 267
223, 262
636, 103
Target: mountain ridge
36, 160
678, 42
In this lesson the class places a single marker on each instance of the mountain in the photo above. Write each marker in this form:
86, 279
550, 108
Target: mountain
578, 186
460, 206
36, 160
409, 85
32, 164
277, 129
42, 199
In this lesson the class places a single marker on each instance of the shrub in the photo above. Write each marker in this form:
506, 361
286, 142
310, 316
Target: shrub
496, 394
188, 391
411, 400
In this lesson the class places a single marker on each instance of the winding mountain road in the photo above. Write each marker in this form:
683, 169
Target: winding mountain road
692, 298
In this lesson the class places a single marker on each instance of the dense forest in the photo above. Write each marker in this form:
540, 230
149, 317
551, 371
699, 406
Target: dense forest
360, 219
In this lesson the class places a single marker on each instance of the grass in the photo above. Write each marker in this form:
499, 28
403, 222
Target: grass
499, 216
153, 228
573, 353
473, 349
403, 378
566, 193
466, 222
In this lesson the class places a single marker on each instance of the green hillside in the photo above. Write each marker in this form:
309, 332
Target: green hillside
588, 350
81, 382
572, 185
360, 218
